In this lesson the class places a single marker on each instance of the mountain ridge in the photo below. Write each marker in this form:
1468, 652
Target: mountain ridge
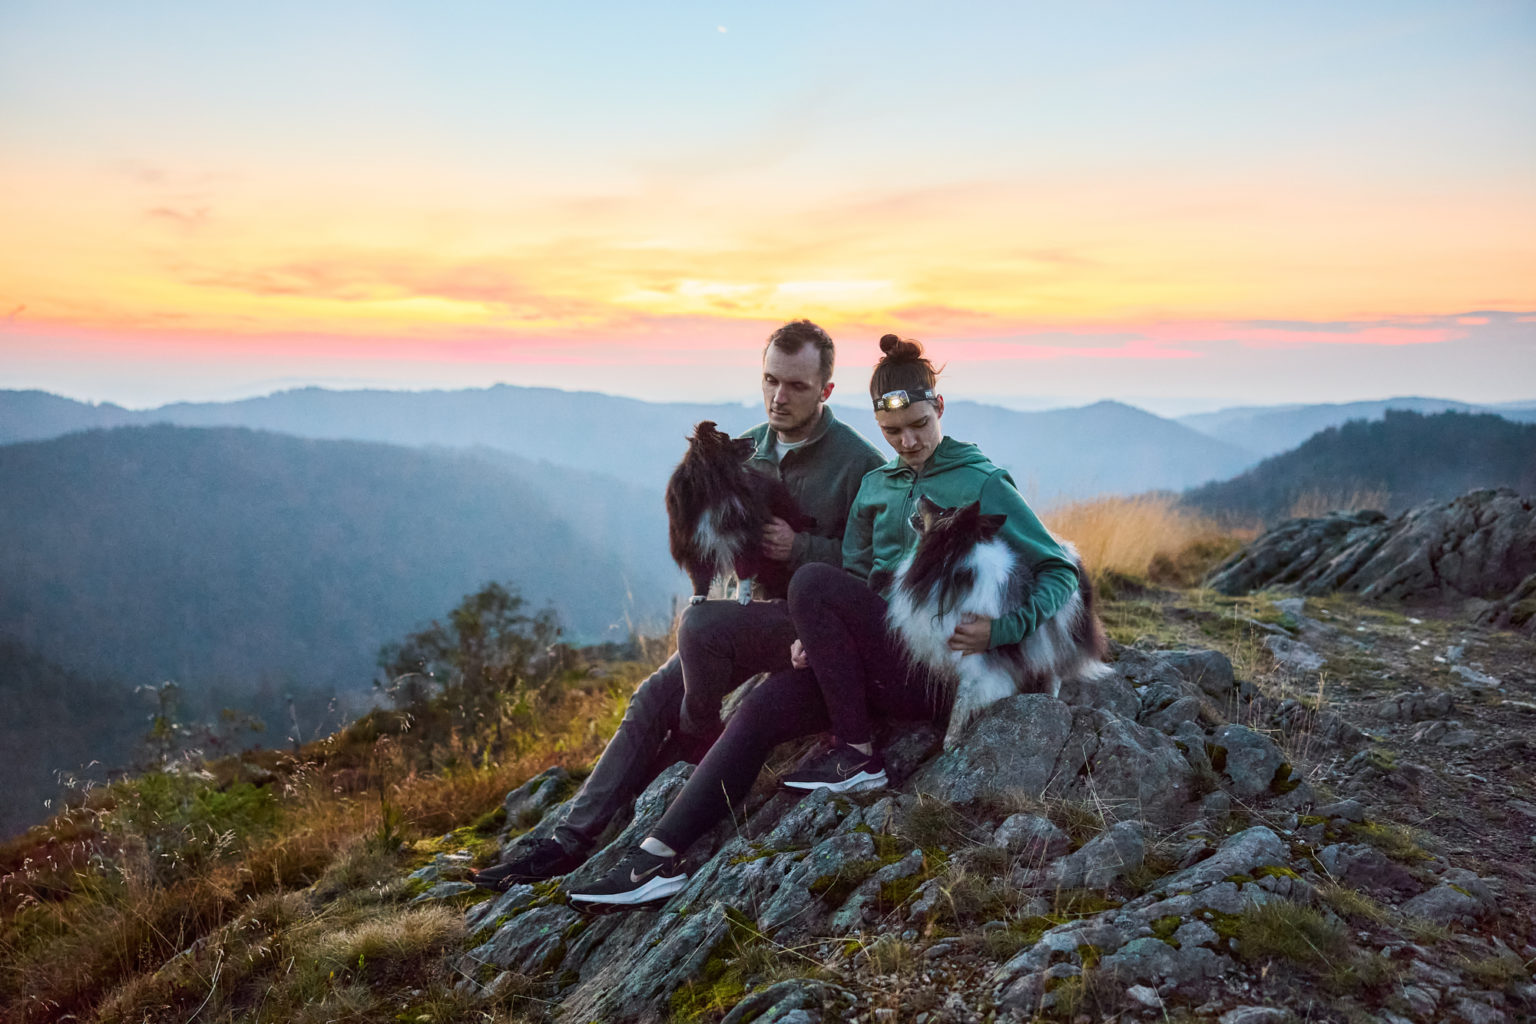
640, 442
1269, 430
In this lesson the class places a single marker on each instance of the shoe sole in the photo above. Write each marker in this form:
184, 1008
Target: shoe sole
863, 780
652, 889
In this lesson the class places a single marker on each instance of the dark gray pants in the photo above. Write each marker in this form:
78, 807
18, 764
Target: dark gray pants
720, 645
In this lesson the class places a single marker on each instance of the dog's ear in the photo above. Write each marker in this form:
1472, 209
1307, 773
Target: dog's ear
704, 430
927, 514
990, 524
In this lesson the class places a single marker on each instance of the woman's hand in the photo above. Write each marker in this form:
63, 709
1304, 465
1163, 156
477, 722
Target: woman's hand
797, 656
972, 636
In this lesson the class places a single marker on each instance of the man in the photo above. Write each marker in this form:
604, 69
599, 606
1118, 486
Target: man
675, 713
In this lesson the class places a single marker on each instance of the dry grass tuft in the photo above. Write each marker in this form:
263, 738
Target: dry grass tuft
391, 944
1314, 503
1144, 536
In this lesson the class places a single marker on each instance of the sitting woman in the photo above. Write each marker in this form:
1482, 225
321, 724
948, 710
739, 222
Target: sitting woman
848, 665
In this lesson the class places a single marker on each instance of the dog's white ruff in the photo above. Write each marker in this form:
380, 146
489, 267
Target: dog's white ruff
710, 540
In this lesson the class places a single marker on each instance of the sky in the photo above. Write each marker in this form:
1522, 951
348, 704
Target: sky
1184, 205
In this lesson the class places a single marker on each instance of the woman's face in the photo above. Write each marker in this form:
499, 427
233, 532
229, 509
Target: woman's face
914, 432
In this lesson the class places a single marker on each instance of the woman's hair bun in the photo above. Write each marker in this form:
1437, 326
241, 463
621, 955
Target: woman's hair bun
896, 348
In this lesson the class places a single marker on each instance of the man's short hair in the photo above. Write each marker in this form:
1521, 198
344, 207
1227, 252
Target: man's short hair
797, 334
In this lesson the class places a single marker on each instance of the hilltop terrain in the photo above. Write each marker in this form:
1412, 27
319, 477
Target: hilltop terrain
1278, 807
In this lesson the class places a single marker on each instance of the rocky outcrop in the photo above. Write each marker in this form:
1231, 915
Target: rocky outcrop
1103, 829
1515, 610
1481, 545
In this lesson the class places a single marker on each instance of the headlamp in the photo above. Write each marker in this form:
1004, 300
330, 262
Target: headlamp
892, 400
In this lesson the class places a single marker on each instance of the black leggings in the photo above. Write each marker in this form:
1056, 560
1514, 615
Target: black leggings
856, 669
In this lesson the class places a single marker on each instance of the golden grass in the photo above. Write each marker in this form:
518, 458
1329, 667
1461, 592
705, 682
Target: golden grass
1145, 536
92, 920
1314, 503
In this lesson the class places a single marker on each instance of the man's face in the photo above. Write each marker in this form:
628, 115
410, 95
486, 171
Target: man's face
793, 390
914, 432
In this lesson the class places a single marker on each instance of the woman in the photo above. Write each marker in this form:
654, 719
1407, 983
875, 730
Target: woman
846, 663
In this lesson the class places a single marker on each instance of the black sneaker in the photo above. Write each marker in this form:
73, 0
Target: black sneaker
546, 858
637, 878
841, 770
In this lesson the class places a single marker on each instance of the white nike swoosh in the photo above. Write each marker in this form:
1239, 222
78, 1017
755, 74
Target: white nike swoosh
636, 879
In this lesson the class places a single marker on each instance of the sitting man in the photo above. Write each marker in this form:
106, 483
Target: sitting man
674, 714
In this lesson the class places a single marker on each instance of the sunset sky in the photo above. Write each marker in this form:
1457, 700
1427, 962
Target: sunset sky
1180, 204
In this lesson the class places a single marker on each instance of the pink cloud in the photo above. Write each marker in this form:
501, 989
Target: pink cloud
1255, 336
1136, 348
192, 218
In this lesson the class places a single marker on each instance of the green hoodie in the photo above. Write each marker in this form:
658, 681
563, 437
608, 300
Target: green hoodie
880, 532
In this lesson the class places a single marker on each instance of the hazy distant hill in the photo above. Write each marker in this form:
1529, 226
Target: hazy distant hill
260, 560
622, 437
1407, 456
38, 415
1268, 430
1105, 447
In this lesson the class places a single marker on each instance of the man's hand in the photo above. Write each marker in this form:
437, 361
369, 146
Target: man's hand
972, 636
797, 658
778, 538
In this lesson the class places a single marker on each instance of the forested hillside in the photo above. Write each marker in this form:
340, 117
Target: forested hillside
261, 561
55, 724
1390, 464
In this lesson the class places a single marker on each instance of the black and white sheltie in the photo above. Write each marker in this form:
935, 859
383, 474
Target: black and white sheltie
960, 568
716, 511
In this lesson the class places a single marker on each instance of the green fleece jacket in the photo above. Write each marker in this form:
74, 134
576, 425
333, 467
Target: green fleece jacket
823, 476
880, 532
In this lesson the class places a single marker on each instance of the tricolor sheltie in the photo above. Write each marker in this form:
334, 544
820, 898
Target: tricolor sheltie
960, 569
716, 511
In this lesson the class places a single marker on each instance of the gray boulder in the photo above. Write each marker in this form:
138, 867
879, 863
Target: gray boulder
1168, 720
796, 1001
1246, 758
1155, 962
1365, 867
1242, 854
1460, 898
1033, 746
1108, 857
1033, 839
1293, 655
526, 804
1108, 691
1011, 749
1254, 1015
1210, 670
1127, 769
